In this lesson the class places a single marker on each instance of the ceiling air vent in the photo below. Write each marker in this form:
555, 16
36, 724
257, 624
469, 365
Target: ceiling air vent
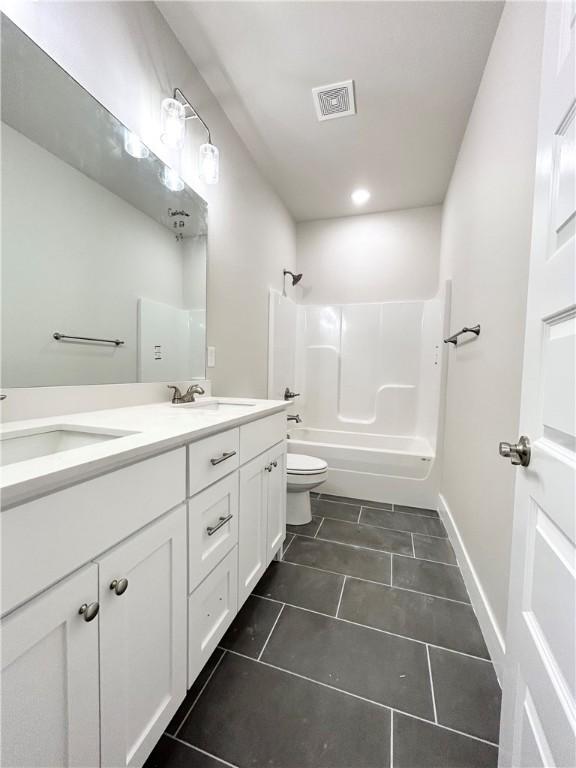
335, 100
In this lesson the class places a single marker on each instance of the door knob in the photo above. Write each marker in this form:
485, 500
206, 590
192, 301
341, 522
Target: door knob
119, 586
518, 453
89, 612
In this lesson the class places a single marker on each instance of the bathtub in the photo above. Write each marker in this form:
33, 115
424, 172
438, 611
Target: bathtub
398, 469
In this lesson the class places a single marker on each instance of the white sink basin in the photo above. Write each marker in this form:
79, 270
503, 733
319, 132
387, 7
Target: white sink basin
22, 446
212, 404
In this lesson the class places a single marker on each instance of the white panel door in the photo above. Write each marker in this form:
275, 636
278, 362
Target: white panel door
50, 706
539, 703
276, 514
142, 638
252, 544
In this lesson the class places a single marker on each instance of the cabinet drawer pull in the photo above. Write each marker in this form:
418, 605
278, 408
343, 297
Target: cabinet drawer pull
119, 586
220, 459
211, 530
89, 612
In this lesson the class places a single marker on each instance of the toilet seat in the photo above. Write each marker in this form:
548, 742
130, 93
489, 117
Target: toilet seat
301, 464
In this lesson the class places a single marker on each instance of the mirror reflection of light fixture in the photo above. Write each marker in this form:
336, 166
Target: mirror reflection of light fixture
172, 121
171, 180
134, 146
175, 112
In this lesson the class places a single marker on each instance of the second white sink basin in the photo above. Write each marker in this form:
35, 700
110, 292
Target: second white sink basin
22, 446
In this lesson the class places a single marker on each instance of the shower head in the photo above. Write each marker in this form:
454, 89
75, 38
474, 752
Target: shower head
295, 278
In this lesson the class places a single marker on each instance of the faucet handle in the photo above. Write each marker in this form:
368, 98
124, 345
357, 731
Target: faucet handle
195, 389
288, 395
177, 394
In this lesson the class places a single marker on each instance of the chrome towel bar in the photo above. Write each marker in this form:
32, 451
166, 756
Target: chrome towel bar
61, 336
475, 329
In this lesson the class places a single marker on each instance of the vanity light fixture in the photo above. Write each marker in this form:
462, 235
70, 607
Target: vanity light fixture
134, 146
175, 112
171, 179
360, 196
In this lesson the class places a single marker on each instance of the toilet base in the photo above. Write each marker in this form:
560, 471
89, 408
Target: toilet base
298, 508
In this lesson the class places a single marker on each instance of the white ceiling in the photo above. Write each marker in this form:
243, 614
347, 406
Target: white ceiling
416, 67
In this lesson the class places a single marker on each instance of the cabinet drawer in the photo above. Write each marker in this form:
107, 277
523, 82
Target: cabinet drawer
212, 527
257, 436
212, 458
211, 609
46, 539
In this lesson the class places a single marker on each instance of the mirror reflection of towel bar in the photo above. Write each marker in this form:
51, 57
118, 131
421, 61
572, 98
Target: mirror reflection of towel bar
475, 329
61, 336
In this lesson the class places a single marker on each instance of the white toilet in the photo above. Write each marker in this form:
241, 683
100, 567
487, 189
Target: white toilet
304, 474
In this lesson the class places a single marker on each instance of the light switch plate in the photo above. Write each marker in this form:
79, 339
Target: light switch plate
211, 361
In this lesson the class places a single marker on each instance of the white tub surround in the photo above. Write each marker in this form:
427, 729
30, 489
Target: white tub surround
370, 378
124, 561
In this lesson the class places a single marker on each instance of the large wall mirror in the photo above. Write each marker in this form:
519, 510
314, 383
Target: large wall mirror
95, 244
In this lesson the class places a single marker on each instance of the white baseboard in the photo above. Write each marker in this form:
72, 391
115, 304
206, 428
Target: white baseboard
486, 619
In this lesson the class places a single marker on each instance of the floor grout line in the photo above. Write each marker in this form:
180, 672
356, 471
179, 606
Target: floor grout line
320, 526
400, 512
379, 583
270, 633
372, 549
340, 598
391, 738
186, 716
202, 751
413, 550
288, 547
431, 683
363, 698
375, 629
391, 571
359, 515
387, 528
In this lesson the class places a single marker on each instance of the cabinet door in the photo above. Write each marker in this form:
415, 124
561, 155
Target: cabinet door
276, 529
212, 527
211, 609
142, 639
50, 702
252, 545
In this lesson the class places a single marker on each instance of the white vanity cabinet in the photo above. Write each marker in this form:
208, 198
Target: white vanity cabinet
50, 687
117, 589
262, 516
142, 588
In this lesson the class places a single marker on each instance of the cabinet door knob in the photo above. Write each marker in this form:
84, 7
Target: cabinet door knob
119, 586
268, 468
274, 463
89, 612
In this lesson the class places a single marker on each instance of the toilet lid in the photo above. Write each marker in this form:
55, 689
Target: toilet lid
300, 464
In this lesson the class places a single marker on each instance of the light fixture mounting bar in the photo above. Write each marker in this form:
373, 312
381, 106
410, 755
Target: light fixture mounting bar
191, 111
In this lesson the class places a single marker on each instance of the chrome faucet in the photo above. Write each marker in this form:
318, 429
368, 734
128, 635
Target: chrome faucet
188, 397
295, 417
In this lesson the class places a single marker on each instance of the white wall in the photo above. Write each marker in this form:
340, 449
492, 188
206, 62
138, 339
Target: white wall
485, 249
126, 55
391, 256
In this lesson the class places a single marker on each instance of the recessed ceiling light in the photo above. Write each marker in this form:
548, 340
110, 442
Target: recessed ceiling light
360, 196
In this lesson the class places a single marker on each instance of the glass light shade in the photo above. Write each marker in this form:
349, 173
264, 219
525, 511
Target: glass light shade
173, 124
134, 146
209, 163
171, 180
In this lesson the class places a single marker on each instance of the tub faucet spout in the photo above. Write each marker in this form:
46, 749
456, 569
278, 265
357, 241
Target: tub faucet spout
295, 417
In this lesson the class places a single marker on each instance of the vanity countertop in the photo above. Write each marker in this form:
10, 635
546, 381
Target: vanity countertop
156, 428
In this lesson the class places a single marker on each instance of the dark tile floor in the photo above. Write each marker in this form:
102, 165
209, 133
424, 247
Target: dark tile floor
359, 650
